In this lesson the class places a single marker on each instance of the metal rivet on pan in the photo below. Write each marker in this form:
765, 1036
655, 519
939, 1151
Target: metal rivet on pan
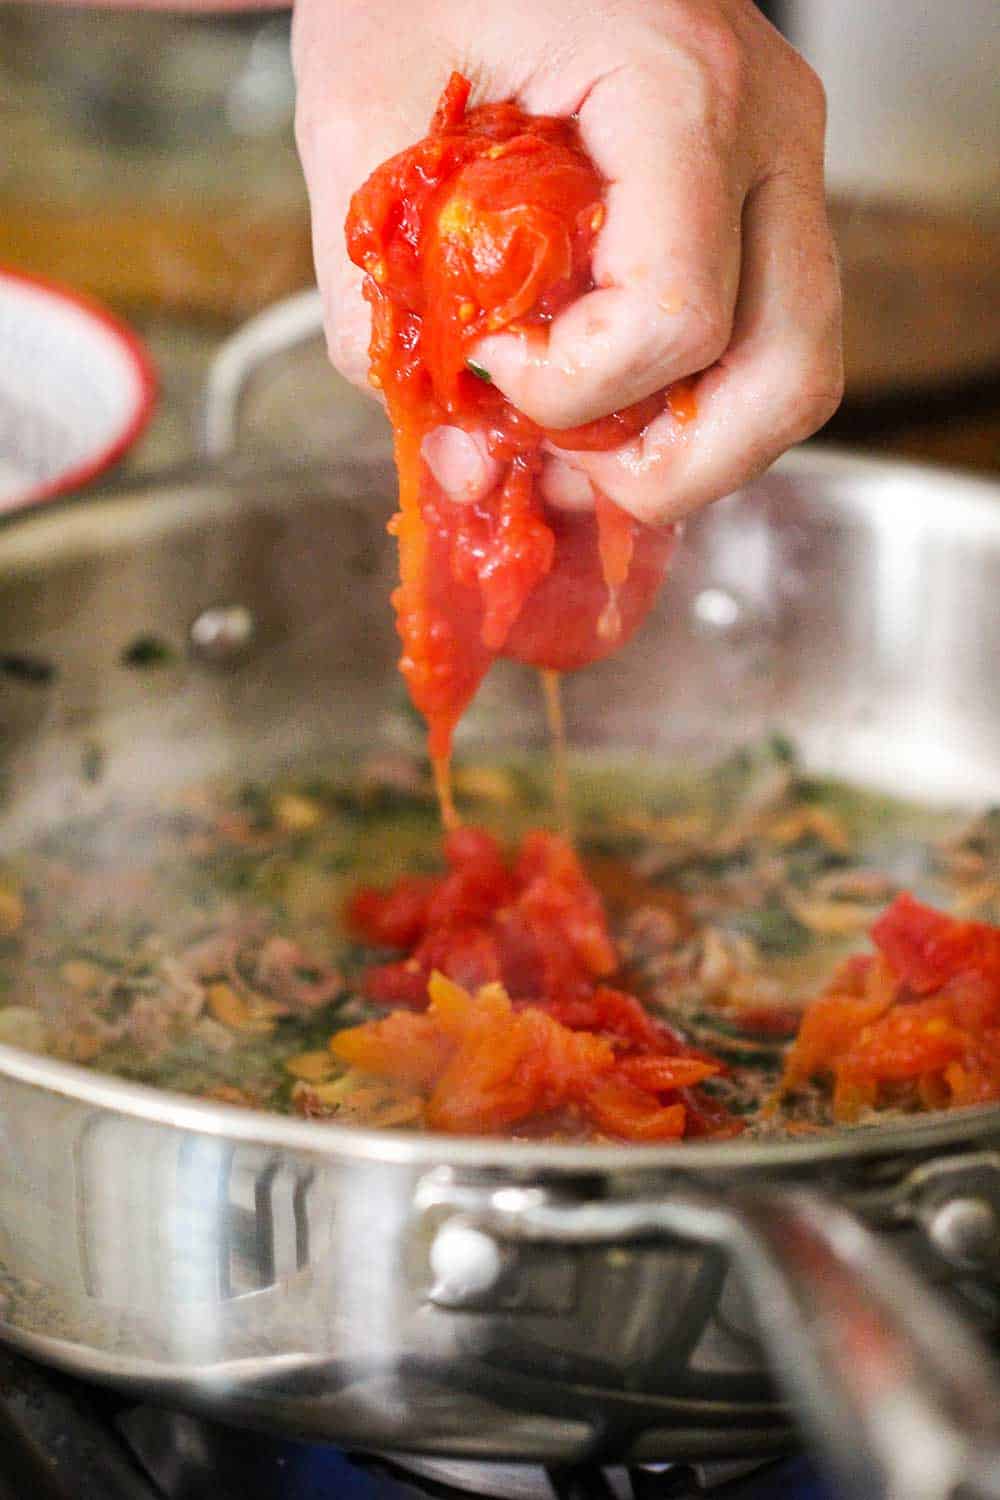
966, 1231
222, 634
466, 1263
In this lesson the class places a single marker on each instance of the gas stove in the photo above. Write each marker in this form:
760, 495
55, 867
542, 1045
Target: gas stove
61, 1439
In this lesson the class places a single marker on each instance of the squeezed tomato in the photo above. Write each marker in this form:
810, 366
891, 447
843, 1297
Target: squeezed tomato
488, 224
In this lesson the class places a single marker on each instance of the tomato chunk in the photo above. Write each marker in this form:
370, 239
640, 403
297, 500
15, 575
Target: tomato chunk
516, 1024
486, 1066
539, 927
917, 1025
927, 948
622, 1109
391, 919
405, 1047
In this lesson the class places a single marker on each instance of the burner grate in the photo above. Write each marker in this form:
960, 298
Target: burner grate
503, 1481
61, 1439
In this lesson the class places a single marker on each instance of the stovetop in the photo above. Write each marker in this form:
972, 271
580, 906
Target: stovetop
61, 1439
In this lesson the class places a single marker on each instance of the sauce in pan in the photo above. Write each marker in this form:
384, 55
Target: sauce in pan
205, 945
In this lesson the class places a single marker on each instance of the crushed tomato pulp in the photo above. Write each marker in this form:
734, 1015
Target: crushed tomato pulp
488, 225
916, 1023
503, 1013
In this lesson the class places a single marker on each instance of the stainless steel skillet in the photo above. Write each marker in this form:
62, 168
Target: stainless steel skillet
483, 1298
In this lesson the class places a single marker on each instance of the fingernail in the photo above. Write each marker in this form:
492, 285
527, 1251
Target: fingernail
463, 470
566, 488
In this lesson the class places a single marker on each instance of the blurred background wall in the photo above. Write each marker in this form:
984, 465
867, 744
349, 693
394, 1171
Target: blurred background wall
914, 90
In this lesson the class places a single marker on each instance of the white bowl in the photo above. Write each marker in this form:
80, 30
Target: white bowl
76, 389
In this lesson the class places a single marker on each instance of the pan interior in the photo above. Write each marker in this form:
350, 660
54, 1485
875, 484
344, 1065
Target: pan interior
839, 612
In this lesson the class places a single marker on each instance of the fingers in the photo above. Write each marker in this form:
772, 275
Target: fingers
666, 260
565, 487
346, 315
467, 472
325, 142
461, 463
780, 379
358, 103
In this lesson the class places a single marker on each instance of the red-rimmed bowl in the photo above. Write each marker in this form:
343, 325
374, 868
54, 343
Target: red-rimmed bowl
77, 388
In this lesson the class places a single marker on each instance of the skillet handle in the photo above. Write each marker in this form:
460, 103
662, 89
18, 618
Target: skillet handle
286, 325
896, 1391
886, 1379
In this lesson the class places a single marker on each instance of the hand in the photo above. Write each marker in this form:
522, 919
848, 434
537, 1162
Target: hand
715, 254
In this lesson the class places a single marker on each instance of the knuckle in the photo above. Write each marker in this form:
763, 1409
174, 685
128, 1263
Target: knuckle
702, 336
817, 389
818, 406
713, 87
808, 92
829, 301
723, 56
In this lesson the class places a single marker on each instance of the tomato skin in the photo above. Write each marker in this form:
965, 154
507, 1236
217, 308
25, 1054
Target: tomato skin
503, 251
399, 985
657, 1075
558, 627
391, 919
488, 224
612, 431
927, 948
620, 1109
404, 1046
615, 1014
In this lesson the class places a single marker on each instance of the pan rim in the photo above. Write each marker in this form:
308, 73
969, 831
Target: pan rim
329, 1141
976, 490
